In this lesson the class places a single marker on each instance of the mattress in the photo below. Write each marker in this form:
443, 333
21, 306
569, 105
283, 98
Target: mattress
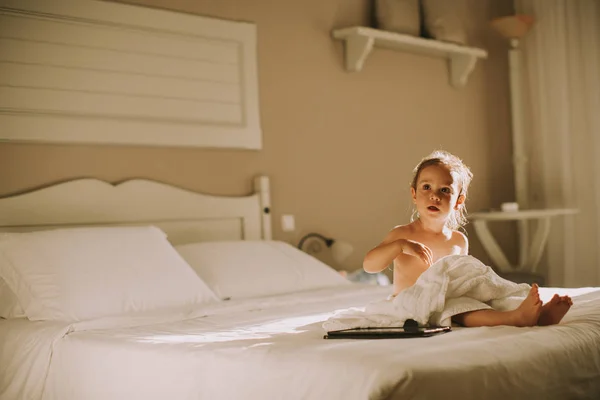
274, 348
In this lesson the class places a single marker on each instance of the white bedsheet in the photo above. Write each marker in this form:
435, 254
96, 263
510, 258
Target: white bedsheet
25, 352
273, 349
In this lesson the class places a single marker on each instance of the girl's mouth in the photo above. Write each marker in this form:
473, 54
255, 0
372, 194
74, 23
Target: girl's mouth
433, 208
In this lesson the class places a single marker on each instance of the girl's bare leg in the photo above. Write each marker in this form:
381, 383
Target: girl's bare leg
527, 314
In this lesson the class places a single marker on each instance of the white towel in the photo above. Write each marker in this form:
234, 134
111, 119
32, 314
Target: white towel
451, 286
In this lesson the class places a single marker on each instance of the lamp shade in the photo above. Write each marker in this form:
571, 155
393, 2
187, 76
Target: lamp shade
513, 26
341, 250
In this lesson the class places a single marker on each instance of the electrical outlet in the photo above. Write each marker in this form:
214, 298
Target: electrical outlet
288, 223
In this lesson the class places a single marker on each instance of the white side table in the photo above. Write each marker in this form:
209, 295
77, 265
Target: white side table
529, 253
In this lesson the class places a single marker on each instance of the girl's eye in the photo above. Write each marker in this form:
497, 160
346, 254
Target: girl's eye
426, 187
446, 190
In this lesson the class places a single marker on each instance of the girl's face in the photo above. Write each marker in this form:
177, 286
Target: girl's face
437, 192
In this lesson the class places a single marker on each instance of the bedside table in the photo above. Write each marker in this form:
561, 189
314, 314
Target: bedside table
530, 253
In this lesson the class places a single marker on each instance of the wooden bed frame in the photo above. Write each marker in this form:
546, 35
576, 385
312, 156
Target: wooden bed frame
184, 215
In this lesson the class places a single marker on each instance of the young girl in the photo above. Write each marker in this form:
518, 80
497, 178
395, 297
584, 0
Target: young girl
439, 190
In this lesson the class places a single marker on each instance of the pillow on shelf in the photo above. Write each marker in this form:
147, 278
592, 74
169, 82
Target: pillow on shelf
9, 304
86, 273
245, 269
401, 16
443, 22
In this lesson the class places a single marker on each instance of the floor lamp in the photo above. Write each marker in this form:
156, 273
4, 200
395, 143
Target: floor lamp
514, 28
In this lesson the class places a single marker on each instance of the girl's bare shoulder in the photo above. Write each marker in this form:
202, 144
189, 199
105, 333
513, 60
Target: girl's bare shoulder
403, 229
400, 232
461, 240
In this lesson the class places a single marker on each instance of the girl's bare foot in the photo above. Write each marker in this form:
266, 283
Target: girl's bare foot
528, 313
554, 310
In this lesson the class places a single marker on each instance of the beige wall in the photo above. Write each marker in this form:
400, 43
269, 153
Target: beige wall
339, 147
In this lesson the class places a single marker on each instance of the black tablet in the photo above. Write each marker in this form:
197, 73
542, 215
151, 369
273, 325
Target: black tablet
387, 332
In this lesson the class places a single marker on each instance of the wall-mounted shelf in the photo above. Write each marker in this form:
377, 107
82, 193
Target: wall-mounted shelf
360, 41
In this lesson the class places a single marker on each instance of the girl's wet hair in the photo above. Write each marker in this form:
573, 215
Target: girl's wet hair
460, 172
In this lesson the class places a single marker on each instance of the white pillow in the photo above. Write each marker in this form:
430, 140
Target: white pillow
9, 304
87, 273
243, 269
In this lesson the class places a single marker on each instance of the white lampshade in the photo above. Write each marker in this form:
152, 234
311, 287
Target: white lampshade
341, 250
513, 26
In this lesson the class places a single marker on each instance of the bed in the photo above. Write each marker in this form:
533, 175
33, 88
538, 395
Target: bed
255, 331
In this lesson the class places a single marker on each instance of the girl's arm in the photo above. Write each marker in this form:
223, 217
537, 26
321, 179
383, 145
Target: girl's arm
392, 246
381, 256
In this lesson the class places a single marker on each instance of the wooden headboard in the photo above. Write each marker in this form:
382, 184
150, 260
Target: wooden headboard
184, 215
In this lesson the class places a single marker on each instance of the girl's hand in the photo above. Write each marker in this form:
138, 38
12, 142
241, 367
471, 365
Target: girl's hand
418, 250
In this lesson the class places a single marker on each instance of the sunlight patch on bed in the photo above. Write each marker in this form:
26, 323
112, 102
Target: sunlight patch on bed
267, 330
